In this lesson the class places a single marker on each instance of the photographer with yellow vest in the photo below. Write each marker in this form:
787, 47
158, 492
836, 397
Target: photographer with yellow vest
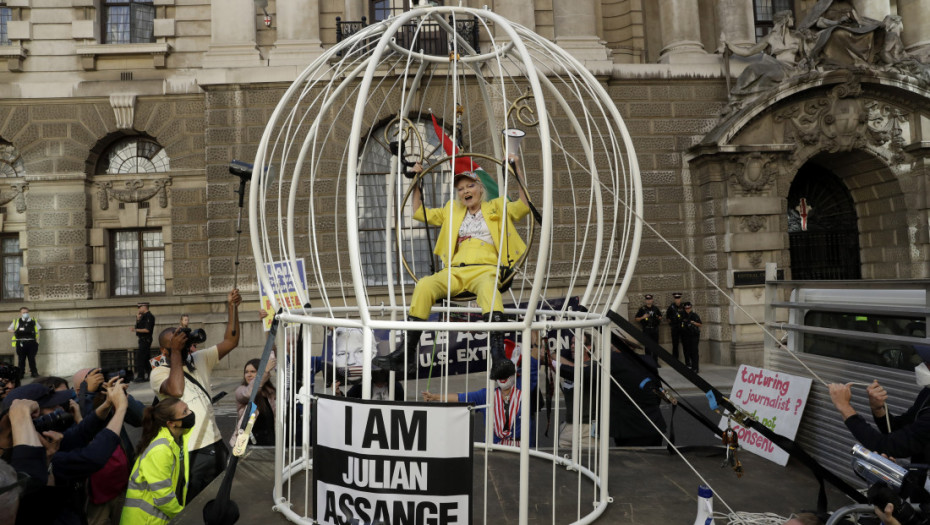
25, 332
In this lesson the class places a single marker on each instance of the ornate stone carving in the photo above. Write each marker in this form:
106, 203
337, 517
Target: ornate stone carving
755, 259
124, 107
752, 223
18, 195
841, 121
832, 36
753, 172
134, 192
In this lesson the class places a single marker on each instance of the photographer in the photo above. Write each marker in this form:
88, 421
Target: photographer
188, 376
73, 451
107, 487
9, 379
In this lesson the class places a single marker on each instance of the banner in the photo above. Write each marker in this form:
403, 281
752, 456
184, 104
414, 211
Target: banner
776, 400
391, 462
463, 352
283, 287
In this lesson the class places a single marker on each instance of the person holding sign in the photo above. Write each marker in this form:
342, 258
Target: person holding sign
905, 435
480, 234
505, 403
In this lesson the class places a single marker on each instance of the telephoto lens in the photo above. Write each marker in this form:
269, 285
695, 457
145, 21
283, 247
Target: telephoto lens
57, 421
122, 373
194, 337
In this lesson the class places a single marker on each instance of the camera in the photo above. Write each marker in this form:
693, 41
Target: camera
57, 421
9, 372
893, 483
122, 373
194, 337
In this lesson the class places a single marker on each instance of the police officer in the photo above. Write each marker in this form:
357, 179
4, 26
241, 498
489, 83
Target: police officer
145, 326
675, 315
691, 337
25, 331
649, 316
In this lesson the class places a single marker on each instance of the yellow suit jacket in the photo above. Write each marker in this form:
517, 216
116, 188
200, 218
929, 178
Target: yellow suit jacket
493, 213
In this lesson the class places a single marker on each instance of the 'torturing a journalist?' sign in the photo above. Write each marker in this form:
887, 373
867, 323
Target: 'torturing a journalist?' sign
390, 462
776, 400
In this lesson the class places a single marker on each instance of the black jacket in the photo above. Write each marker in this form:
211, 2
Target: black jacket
910, 432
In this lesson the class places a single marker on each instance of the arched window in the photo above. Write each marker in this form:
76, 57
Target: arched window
374, 208
133, 155
11, 162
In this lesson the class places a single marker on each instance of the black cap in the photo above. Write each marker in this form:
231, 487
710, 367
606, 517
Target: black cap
143, 304
686, 304
677, 295
648, 296
45, 396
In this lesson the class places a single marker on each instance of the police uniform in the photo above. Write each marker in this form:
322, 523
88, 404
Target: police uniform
649, 317
144, 350
26, 342
691, 337
675, 314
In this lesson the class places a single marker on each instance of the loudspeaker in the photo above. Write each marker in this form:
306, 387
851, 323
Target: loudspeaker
514, 137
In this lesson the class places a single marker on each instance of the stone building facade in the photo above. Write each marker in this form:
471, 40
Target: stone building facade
118, 121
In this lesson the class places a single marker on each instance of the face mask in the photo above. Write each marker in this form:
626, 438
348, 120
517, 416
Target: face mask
26, 316
922, 375
188, 420
507, 383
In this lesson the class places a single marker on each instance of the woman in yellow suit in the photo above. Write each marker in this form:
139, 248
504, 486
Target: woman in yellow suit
478, 232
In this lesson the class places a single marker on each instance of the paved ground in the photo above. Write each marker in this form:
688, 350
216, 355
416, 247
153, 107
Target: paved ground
648, 486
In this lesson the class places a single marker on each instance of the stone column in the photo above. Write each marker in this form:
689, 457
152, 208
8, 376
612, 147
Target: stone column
681, 31
522, 12
874, 9
736, 22
916, 34
354, 10
576, 31
232, 35
298, 42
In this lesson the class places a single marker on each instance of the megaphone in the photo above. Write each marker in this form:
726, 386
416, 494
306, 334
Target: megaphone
514, 137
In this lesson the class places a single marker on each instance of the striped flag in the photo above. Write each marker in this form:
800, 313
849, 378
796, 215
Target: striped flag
463, 164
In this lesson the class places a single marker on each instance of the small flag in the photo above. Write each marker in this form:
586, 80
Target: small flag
463, 164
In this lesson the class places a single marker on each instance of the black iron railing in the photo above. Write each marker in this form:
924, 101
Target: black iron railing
427, 37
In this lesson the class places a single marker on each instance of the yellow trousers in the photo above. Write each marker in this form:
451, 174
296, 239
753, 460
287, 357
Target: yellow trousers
478, 276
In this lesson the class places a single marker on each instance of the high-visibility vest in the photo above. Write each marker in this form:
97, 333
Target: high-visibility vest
150, 497
35, 325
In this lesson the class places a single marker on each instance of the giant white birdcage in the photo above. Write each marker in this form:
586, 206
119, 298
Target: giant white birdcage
327, 190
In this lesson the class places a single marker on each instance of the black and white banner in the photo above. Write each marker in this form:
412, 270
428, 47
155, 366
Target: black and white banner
391, 462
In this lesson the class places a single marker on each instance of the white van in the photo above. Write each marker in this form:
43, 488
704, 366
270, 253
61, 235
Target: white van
847, 331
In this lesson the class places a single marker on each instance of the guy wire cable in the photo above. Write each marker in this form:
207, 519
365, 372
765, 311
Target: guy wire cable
665, 438
730, 298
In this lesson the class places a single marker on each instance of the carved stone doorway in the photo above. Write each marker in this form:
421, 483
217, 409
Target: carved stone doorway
822, 226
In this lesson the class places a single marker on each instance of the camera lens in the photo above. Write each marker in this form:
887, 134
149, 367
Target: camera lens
57, 421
